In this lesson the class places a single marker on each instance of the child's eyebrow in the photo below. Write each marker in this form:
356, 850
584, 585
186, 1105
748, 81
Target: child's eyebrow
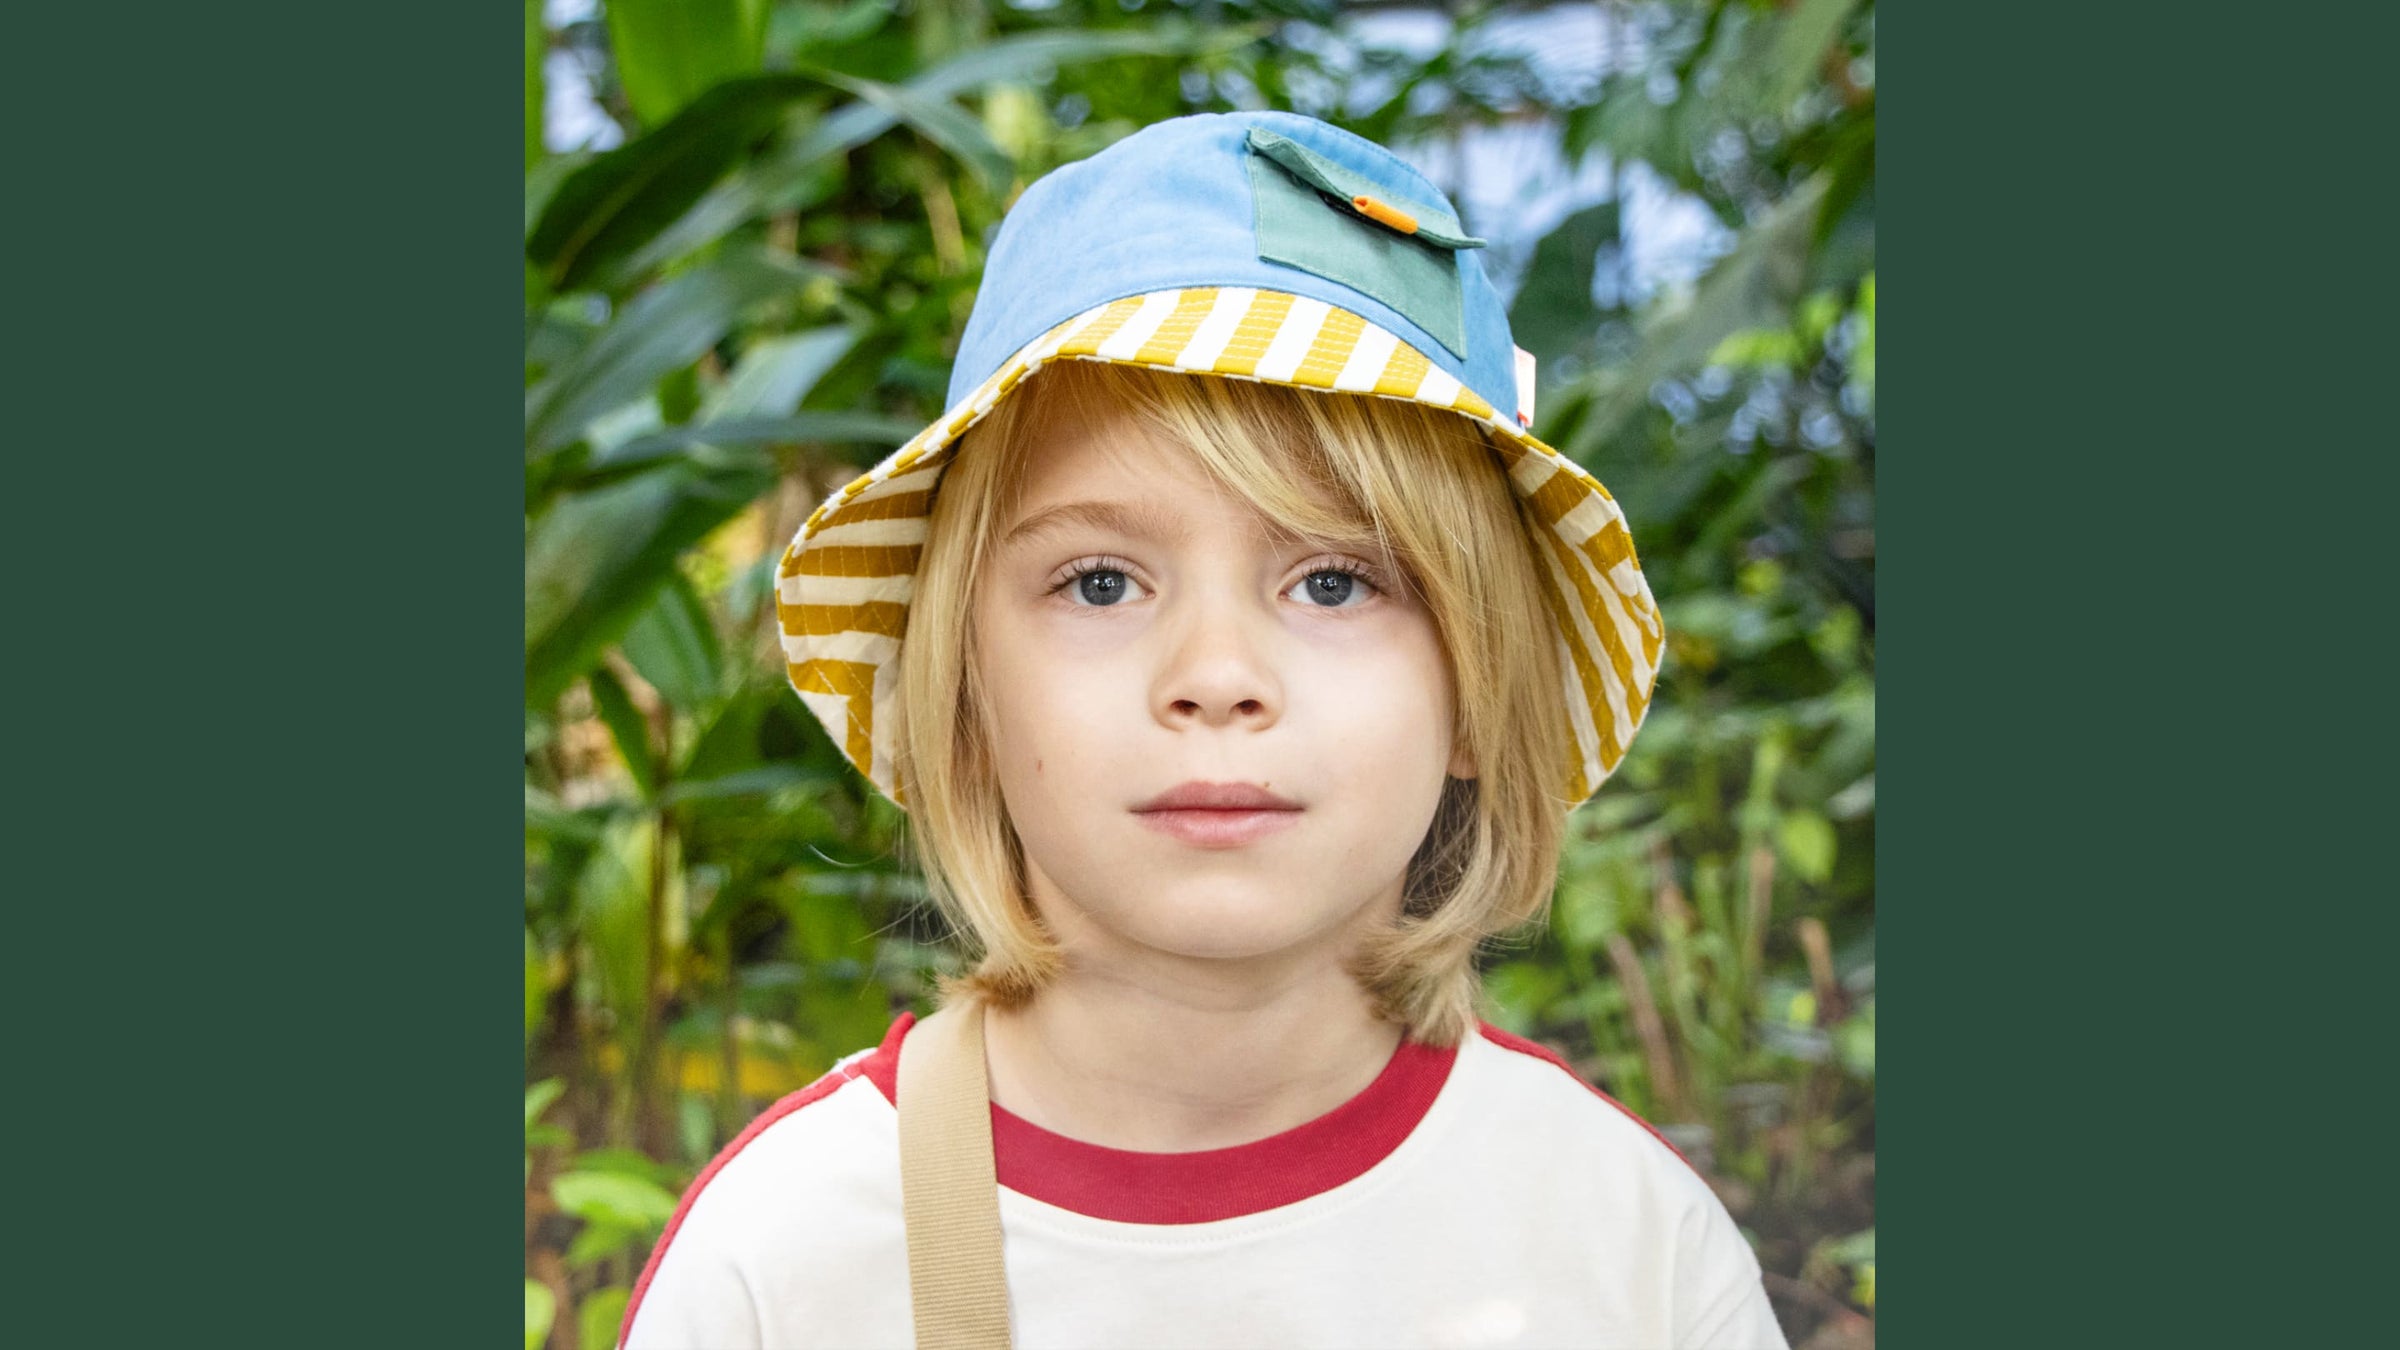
1139, 519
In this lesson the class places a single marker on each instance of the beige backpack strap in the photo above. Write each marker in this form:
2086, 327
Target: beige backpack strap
948, 1191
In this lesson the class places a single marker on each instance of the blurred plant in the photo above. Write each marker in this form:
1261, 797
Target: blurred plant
759, 292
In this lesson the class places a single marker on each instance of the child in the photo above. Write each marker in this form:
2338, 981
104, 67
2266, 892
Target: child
1238, 669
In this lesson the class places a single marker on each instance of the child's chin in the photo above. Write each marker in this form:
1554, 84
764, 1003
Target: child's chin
1234, 929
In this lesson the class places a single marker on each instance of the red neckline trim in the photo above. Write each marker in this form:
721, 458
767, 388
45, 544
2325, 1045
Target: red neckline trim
1223, 1183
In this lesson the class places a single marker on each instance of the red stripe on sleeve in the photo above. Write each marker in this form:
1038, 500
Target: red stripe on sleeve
1539, 1051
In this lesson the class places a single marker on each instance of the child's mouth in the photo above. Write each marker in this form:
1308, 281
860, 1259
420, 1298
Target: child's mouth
1220, 828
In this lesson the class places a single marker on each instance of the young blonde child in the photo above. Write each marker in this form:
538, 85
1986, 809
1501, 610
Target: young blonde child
1237, 661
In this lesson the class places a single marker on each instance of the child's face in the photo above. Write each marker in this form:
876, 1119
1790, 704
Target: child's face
1197, 647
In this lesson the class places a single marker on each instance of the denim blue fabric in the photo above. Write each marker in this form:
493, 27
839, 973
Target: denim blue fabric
1169, 207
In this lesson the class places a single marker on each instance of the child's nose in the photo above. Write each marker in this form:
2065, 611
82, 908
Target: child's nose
1219, 668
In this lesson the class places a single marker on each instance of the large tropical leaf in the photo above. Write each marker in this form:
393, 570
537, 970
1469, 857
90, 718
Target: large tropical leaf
775, 373
674, 646
668, 51
626, 726
940, 121
815, 428
614, 204
1554, 317
594, 560
663, 329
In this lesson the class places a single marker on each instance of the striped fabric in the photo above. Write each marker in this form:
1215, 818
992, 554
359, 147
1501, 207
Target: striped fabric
844, 585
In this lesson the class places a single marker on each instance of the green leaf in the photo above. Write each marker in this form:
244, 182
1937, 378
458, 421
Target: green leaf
614, 1198
758, 782
1026, 57
1862, 356
1752, 287
594, 560
626, 725
1757, 349
1520, 991
1033, 55
614, 204
1854, 1041
1799, 50
539, 1096
665, 327
541, 1309
1851, 1250
775, 373
668, 51
600, 1241
674, 646
1553, 314
806, 428
602, 1313
611, 915
793, 30
940, 121
537, 992
726, 741
1806, 841
1584, 913
627, 1162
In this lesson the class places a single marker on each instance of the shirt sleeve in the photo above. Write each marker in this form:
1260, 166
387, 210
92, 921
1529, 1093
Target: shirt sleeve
1722, 1283
696, 1300
1747, 1322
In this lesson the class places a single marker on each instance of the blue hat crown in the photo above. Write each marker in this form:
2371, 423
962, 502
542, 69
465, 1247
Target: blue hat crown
1271, 200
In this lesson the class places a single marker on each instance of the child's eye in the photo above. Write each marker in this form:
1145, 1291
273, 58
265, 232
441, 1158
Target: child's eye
1098, 583
1338, 581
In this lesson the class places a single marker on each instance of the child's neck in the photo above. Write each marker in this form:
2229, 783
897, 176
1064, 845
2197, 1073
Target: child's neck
1179, 1055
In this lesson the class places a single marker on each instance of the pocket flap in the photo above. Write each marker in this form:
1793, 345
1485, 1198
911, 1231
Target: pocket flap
1428, 222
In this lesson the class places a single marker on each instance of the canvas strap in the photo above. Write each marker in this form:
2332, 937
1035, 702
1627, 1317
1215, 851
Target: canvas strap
948, 1191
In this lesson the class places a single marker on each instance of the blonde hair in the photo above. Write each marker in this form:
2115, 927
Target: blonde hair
1419, 485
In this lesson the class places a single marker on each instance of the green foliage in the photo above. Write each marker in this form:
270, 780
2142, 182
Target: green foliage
601, 1313
619, 1208
610, 206
760, 292
670, 51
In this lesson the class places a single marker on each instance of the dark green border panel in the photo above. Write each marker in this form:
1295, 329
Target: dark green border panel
2130, 942
265, 506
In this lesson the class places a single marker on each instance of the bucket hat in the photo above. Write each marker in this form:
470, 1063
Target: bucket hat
1262, 246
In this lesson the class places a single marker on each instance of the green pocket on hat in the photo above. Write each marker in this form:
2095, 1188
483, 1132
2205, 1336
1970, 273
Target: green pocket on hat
1304, 218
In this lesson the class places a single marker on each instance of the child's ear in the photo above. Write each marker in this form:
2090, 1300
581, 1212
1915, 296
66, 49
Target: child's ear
1462, 762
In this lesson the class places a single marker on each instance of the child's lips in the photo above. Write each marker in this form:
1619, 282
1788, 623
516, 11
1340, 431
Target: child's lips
1220, 828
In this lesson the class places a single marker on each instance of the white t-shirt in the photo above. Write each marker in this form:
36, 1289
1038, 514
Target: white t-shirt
1477, 1197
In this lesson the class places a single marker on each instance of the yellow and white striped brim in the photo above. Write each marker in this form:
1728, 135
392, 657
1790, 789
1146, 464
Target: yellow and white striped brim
844, 586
